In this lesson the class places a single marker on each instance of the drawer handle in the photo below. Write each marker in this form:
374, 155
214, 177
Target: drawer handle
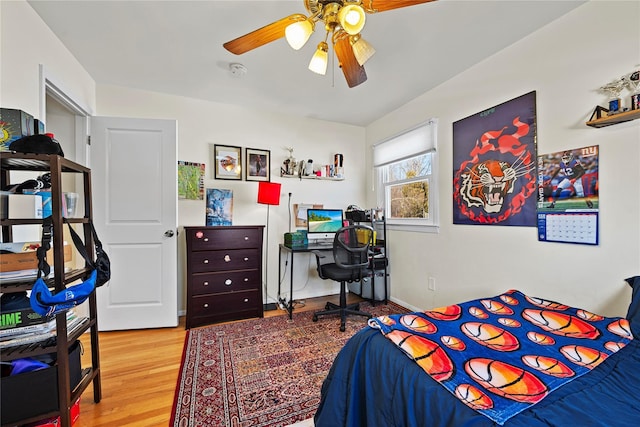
227, 258
206, 283
206, 239
246, 258
228, 282
246, 237
206, 261
246, 300
206, 306
246, 279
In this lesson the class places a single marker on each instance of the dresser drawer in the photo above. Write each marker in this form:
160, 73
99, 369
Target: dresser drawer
224, 273
224, 304
225, 281
224, 237
235, 259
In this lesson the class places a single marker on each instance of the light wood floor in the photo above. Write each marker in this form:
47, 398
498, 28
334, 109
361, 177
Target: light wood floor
140, 371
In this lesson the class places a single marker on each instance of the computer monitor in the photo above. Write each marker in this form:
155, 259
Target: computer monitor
322, 224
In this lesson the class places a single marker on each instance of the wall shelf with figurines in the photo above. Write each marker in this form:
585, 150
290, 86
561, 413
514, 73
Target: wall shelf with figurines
600, 118
616, 113
306, 169
328, 178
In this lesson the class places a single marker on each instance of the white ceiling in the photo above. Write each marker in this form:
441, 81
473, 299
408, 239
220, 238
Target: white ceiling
175, 47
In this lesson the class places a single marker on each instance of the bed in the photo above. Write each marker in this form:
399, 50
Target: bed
376, 382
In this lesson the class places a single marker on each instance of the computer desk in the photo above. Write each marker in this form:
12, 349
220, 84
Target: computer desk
294, 250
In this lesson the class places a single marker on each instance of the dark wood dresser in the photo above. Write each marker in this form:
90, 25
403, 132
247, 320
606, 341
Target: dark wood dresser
224, 273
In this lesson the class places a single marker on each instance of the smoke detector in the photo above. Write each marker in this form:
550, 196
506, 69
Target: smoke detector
237, 70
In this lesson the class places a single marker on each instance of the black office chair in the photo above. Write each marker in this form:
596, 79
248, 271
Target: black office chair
350, 262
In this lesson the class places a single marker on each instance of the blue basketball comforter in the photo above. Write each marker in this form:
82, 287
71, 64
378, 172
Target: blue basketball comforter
374, 383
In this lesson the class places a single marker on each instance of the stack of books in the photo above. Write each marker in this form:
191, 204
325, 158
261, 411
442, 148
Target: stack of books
21, 327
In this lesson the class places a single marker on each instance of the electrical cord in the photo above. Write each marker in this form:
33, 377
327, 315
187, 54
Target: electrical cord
295, 303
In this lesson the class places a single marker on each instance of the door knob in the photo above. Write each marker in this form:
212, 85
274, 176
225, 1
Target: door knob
169, 233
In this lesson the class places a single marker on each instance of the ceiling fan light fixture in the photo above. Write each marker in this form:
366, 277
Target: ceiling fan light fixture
362, 49
352, 18
298, 33
320, 59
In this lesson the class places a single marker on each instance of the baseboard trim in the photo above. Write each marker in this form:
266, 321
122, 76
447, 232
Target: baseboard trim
271, 306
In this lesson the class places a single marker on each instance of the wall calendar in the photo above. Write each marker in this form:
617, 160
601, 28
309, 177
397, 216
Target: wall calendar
568, 202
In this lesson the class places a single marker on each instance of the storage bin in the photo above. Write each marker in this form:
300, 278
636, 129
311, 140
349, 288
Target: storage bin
33, 393
364, 287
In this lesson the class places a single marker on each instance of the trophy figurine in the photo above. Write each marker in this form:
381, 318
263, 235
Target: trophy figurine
633, 81
291, 165
613, 89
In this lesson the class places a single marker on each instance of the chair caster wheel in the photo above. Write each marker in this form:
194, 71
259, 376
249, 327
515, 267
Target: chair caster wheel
327, 306
314, 318
342, 328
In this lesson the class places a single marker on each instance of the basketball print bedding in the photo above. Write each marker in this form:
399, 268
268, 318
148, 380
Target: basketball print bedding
511, 360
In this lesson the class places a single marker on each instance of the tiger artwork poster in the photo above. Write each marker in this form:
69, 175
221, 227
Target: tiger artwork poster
494, 165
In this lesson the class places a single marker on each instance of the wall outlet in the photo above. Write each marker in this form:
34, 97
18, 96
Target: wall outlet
432, 283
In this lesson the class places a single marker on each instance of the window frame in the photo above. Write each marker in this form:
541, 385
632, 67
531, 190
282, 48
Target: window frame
382, 186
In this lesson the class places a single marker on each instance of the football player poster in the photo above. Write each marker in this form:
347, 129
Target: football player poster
568, 196
494, 165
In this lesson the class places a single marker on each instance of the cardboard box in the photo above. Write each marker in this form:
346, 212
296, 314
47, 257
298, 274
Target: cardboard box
29, 260
20, 206
47, 209
32, 393
14, 124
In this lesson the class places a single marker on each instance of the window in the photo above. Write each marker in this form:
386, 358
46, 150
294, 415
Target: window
406, 170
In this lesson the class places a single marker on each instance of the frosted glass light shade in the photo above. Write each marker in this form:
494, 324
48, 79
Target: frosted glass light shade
352, 18
298, 33
362, 49
320, 59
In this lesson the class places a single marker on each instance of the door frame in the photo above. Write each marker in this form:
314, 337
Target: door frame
51, 86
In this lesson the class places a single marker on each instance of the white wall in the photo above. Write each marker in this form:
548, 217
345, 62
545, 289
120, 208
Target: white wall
565, 63
25, 43
202, 123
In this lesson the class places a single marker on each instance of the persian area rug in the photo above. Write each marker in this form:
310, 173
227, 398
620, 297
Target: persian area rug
260, 372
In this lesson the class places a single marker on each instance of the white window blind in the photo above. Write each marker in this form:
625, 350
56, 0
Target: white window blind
421, 139
405, 178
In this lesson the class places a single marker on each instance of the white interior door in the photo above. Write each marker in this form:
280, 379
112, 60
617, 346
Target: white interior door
134, 180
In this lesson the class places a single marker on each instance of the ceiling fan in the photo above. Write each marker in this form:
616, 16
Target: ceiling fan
342, 19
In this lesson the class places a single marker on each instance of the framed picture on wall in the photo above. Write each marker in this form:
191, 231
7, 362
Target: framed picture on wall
227, 162
258, 165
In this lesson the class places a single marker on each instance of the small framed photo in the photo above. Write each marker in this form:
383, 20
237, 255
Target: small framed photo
227, 162
258, 165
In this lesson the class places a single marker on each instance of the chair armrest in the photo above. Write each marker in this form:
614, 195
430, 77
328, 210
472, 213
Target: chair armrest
320, 253
322, 257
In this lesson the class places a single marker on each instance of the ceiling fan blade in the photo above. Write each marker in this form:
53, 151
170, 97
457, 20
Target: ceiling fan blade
373, 6
262, 36
353, 72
